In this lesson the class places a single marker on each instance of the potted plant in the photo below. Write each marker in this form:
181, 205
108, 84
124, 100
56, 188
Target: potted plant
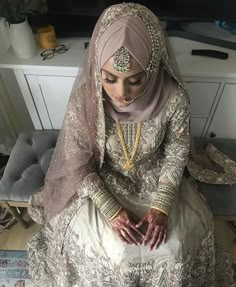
21, 36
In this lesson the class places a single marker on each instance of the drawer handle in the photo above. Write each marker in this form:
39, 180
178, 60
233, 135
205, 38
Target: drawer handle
212, 135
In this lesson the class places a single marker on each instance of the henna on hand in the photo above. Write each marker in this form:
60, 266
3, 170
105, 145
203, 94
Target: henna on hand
125, 228
157, 227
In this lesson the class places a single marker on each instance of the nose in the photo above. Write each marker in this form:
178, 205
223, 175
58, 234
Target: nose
122, 91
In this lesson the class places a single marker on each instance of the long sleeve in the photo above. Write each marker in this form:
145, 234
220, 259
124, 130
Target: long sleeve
176, 150
94, 187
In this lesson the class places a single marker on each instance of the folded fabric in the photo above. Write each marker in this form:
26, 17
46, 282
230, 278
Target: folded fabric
217, 169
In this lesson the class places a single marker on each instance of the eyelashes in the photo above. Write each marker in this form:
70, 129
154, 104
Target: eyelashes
133, 84
110, 82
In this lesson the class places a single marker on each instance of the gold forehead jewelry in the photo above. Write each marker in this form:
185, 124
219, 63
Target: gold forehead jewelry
121, 61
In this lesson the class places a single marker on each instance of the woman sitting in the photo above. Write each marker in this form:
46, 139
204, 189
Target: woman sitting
116, 209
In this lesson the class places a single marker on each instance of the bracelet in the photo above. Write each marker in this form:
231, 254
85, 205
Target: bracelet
159, 209
116, 213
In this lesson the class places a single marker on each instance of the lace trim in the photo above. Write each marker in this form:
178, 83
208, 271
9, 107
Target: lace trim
211, 176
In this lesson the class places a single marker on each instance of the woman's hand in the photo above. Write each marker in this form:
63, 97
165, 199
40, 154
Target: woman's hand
157, 227
125, 228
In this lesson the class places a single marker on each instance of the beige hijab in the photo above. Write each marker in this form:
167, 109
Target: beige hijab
131, 33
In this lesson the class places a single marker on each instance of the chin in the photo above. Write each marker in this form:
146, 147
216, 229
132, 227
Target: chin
120, 105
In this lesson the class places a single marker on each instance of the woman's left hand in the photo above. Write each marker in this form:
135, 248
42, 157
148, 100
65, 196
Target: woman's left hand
157, 227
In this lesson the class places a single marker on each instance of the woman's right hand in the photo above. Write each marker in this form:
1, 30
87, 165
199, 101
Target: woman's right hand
125, 228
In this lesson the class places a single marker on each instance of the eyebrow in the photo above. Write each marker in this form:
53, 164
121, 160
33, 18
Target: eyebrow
132, 76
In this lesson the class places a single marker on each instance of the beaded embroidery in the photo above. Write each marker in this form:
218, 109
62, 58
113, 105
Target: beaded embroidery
159, 52
121, 61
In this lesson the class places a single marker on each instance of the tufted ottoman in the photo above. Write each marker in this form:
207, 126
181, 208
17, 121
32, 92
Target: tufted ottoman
26, 169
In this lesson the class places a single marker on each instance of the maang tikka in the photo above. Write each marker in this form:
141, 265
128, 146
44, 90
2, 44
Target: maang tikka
122, 60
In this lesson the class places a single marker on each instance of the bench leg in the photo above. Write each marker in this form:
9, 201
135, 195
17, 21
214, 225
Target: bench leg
16, 215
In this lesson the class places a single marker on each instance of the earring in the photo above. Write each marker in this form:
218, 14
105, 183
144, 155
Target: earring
121, 61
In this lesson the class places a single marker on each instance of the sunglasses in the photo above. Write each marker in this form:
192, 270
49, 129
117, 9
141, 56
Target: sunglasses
50, 53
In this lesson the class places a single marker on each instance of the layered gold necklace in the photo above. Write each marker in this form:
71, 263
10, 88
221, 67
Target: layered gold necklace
129, 158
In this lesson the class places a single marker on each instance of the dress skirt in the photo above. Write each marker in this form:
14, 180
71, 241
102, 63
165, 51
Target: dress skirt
78, 248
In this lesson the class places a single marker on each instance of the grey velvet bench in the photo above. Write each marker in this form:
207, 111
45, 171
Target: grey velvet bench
31, 155
25, 171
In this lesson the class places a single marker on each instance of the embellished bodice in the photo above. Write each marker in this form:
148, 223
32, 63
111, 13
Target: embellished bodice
152, 134
158, 164
153, 138
161, 155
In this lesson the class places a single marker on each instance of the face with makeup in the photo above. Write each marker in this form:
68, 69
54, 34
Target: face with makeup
123, 87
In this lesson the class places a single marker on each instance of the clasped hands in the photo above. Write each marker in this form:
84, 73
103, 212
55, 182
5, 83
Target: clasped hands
128, 231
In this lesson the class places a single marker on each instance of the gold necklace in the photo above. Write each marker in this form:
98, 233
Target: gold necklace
129, 158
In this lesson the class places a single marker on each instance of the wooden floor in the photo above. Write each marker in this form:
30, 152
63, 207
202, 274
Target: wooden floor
17, 236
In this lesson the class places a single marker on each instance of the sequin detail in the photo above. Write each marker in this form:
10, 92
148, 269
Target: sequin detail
121, 61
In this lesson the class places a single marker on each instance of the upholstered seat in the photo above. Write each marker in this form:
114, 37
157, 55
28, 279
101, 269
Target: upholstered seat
26, 167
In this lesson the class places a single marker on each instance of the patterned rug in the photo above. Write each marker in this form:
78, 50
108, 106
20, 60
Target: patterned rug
14, 269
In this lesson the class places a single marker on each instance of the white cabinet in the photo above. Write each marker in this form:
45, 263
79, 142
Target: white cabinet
211, 83
46, 95
50, 94
223, 124
197, 126
202, 95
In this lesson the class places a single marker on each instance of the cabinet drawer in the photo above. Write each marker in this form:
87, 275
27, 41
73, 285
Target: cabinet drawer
223, 124
50, 94
202, 96
197, 126
56, 91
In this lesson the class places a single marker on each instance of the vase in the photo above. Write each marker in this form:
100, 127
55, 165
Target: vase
4, 36
22, 40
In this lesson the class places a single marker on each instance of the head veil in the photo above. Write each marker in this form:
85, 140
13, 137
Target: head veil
81, 143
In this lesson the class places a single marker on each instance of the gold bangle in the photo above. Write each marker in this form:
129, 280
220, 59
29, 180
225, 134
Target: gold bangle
159, 209
116, 213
